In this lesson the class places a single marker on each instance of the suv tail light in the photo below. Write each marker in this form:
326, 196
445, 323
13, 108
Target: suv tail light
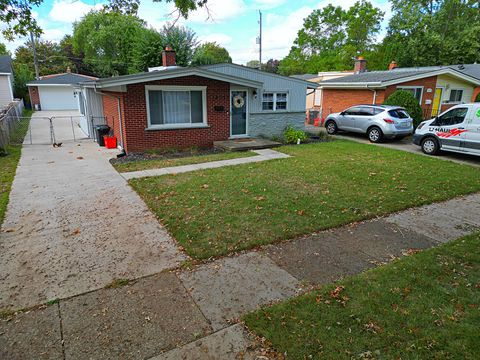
389, 121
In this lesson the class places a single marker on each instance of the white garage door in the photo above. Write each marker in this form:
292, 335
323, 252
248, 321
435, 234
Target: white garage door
57, 98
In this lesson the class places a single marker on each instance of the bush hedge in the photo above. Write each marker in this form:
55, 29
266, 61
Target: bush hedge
406, 100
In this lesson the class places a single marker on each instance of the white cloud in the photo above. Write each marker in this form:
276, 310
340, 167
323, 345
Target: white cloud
218, 11
219, 38
67, 11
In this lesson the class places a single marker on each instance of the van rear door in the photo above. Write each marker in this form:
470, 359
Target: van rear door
472, 127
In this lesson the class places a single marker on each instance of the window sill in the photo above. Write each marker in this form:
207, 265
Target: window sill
176, 127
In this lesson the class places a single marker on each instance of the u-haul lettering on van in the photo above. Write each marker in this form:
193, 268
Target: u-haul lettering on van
446, 133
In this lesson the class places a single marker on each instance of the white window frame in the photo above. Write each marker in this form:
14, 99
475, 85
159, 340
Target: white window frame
190, 125
456, 102
275, 100
413, 87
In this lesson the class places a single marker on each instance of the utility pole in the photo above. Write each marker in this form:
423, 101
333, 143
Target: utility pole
35, 61
260, 39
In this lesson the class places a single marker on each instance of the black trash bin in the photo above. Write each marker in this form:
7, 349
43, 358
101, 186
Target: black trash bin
102, 130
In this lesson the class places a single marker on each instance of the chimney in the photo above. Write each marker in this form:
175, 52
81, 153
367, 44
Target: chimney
168, 57
360, 65
68, 69
392, 65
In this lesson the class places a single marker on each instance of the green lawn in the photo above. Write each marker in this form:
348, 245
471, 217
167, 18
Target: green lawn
324, 185
8, 163
165, 162
425, 306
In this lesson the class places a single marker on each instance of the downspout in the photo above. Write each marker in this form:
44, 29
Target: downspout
374, 94
118, 110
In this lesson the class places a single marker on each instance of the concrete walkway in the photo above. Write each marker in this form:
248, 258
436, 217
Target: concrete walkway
193, 313
263, 155
73, 224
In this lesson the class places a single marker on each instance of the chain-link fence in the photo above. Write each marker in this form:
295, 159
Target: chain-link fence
13, 126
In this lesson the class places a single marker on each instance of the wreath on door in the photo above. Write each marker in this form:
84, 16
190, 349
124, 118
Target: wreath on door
238, 101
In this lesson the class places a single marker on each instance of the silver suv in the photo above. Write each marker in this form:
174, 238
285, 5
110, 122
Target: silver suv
377, 121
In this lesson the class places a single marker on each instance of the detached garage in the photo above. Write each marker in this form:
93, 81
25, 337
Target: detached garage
56, 91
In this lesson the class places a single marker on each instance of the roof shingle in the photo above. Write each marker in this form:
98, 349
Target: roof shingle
62, 79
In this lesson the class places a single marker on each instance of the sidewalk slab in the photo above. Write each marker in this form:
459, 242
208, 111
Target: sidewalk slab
232, 343
230, 287
135, 321
318, 258
443, 221
327, 256
32, 335
381, 240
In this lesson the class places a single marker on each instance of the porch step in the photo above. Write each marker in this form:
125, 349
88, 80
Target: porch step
245, 144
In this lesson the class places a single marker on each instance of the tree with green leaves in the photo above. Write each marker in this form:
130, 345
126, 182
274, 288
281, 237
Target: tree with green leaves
3, 50
210, 53
254, 64
331, 37
437, 32
23, 74
406, 100
51, 59
181, 39
18, 20
106, 39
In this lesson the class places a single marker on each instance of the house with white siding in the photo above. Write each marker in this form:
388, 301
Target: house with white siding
6, 80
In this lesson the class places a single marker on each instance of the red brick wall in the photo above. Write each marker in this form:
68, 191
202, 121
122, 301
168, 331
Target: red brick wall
336, 100
476, 91
427, 83
134, 114
34, 96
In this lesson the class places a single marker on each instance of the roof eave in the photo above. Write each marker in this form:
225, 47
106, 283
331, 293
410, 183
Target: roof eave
358, 85
158, 75
253, 69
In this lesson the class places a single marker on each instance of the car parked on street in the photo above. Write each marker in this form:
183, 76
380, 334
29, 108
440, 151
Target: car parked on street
378, 122
456, 129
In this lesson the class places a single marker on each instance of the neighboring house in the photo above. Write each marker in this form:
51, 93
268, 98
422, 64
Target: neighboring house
314, 97
6, 80
56, 91
436, 87
175, 107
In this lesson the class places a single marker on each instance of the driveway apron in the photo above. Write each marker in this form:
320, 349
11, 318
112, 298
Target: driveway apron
73, 224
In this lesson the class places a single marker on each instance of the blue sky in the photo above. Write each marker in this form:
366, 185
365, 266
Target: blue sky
232, 23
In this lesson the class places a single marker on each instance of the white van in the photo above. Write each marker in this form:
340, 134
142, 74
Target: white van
457, 129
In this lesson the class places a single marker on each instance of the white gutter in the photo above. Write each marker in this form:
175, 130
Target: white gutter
118, 110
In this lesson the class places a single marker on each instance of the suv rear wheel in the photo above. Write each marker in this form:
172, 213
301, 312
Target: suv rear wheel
331, 127
430, 146
375, 135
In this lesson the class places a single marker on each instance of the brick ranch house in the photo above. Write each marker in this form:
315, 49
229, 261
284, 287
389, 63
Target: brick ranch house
181, 107
436, 87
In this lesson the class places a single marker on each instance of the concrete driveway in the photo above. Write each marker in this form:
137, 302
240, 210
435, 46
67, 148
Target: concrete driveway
404, 145
73, 224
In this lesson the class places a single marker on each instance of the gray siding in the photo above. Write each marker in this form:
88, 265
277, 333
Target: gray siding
268, 125
93, 111
5, 90
296, 89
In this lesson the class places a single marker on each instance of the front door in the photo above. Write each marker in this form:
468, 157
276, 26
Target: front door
436, 102
239, 105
